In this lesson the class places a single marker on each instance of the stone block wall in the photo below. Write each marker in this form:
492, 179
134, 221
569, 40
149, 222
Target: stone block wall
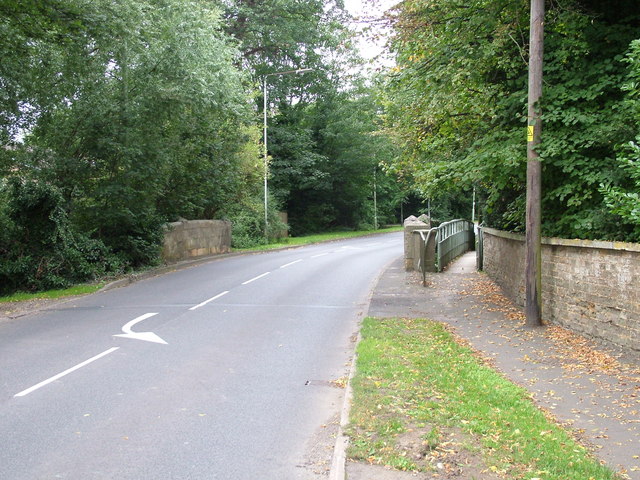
589, 286
196, 238
503, 261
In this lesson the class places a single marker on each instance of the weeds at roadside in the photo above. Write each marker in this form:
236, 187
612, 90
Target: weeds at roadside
321, 237
52, 294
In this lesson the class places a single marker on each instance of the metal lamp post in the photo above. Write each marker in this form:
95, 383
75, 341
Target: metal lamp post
266, 159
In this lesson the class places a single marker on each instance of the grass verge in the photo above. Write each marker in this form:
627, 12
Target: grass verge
321, 237
415, 380
51, 294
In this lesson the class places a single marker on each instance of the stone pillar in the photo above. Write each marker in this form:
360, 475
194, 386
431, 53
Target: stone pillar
411, 253
424, 218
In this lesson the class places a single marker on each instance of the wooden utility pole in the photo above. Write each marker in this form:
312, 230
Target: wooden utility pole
533, 260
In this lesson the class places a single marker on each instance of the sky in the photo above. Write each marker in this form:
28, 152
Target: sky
357, 8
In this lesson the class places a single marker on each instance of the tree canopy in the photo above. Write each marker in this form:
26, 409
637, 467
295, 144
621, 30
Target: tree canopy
116, 117
457, 103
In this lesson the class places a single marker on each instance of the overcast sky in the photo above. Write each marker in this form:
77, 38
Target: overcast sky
367, 8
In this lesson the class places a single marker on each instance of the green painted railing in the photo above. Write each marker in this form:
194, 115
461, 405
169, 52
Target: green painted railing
439, 246
453, 239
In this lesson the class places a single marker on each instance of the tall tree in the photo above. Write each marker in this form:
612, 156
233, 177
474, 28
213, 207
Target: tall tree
457, 103
324, 170
135, 113
311, 160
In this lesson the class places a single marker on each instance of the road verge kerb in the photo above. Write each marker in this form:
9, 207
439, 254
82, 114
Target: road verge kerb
339, 460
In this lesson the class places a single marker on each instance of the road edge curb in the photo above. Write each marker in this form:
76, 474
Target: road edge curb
338, 462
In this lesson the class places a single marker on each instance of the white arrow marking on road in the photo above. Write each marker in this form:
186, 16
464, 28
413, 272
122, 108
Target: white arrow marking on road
145, 336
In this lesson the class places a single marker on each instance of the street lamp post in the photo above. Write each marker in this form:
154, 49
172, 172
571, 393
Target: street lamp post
266, 155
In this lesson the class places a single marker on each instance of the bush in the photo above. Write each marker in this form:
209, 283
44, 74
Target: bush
40, 249
248, 225
135, 237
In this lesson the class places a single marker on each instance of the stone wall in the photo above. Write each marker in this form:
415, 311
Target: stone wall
589, 286
196, 238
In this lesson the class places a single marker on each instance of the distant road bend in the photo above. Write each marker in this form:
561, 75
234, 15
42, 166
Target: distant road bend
220, 371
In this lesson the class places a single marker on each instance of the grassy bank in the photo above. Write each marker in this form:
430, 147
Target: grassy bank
321, 237
423, 401
51, 294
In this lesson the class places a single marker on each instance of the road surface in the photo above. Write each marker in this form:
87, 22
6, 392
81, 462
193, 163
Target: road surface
226, 370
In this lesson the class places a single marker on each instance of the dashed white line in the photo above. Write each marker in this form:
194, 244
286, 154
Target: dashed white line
256, 278
66, 372
320, 255
210, 300
291, 263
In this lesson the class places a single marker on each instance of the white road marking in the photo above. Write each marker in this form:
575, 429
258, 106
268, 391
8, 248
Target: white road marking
256, 278
145, 336
66, 372
127, 326
290, 263
210, 300
320, 255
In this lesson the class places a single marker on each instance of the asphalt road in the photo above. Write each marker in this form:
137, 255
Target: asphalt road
220, 371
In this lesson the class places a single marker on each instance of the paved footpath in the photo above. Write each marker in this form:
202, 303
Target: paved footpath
589, 389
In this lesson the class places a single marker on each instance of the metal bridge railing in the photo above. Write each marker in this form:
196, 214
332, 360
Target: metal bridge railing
440, 245
454, 238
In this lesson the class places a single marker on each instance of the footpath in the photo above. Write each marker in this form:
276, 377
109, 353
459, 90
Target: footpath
590, 389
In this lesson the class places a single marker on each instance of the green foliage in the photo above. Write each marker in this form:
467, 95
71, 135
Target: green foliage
457, 105
321, 123
138, 112
153, 130
43, 250
134, 112
625, 200
326, 159
622, 197
247, 221
284, 35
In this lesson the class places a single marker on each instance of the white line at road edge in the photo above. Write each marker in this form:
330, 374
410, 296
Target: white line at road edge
291, 263
210, 300
256, 278
66, 372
